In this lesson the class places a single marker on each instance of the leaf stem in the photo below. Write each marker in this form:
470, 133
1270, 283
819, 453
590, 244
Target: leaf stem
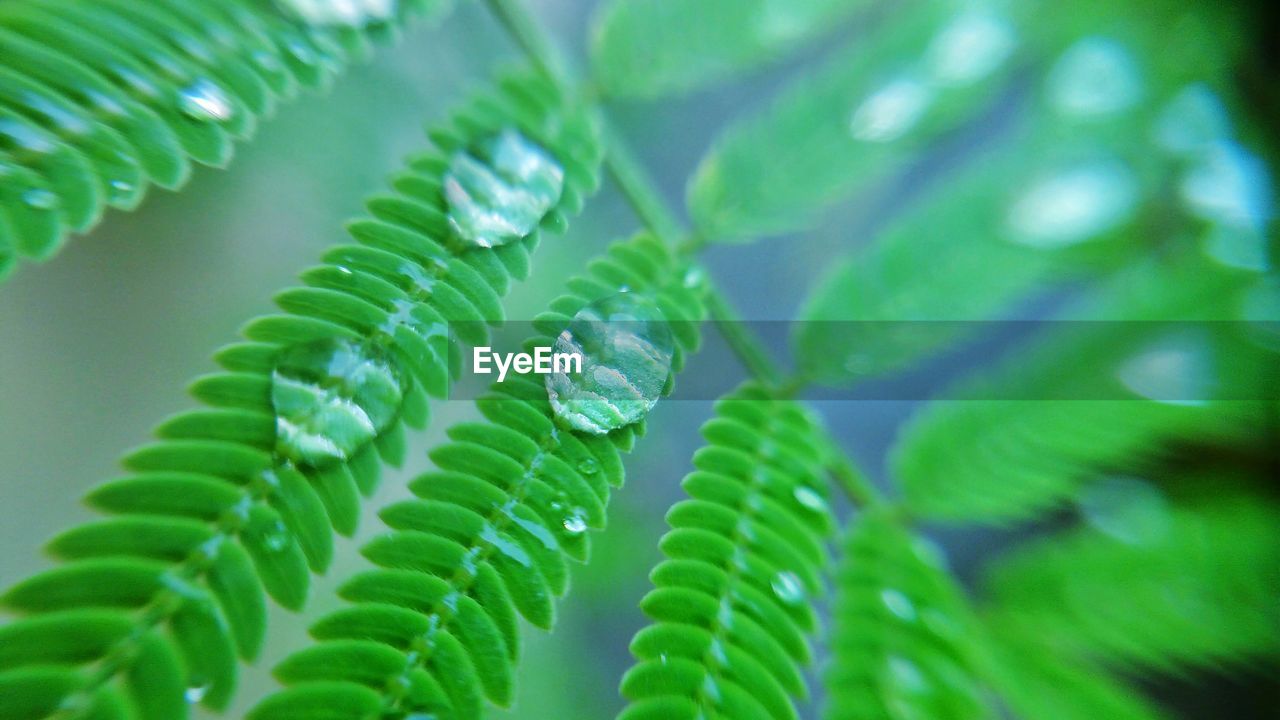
646, 201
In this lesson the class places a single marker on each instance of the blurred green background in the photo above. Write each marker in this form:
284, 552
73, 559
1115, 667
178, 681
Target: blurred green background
97, 345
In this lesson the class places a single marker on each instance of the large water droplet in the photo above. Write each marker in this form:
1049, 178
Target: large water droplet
1075, 205
626, 349
1176, 370
575, 523
809, 498
888, 113
1192, 121
970, 48
331, 397
205, 102
354, 13
1128, 509
788, 588
501, 189
1096, 76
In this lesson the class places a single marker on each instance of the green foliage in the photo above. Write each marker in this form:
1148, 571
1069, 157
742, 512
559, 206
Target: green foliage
660, 47
1151, 583
171, 587
486, 540
731, 607
1015, 441
87, 124
904, 643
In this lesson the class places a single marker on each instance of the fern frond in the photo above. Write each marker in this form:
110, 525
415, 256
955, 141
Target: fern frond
903, 644
1163, 587
1019, 438
240, 496
849, 125
1039, 684
434, 630
100, 100
661, 47
746, 551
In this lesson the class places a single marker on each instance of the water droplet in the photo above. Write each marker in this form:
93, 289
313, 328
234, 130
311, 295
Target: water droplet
276, 537
120, 189
970, 48
351, 13
788, 588
1074, 205
809, 498
205, 102
575, 523
626, 349
501, 189
694, 277
1130, 510
588, 466
898, 604
1096, 76
1193, 121
40, 199
890, 112
331, 397
1176, 370
1232, 187
196, 693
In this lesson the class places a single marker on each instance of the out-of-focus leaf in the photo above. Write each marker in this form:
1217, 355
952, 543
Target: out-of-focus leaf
657, 47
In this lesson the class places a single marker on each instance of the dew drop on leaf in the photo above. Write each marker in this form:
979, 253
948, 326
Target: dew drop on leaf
1074, 205
195, 693
970, 48
898, 604
500, 190
331, 397
891, 111
40, 199
786, 585
575, 523
809, 498
205, 102
626, 349
588, 466
1096, 76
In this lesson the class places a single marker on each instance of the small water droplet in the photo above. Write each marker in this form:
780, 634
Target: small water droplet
627, 350
1130, 510
1175, 370
788, 588
694, 277
891, 111
350, 13
575, 523
331, 397
970, 48
1074, 205
1096, 76
809, 498
276, 537
40, 199
196, 693
500, 190
120, 189
588, 466
898, 604
1193, 121
205, 102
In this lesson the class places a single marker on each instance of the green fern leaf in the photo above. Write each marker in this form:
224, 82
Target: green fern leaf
485, 541
1039, 684
745, 552
903, 644
847, 126
650, 49
1198, 583
100, 100
991, 456
226, 506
